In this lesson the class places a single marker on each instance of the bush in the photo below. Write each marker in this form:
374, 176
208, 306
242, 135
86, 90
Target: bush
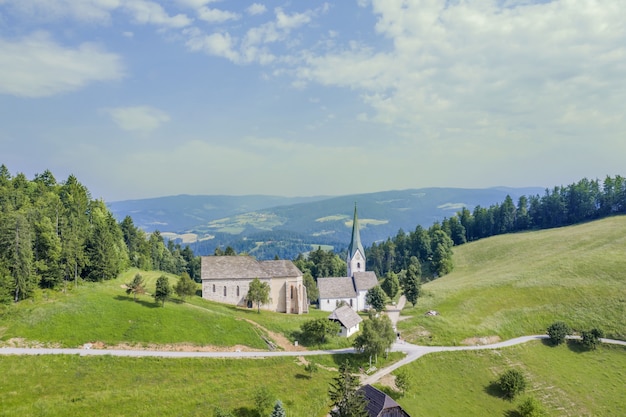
591, 338
531, 407
557, 332
512, 382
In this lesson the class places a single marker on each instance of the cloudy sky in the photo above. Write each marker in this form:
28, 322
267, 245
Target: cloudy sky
142, 98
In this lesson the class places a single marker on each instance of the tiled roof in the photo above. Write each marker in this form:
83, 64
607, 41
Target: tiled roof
346, 316
365, 280
336, 287
281, 268
378, 401
245, 267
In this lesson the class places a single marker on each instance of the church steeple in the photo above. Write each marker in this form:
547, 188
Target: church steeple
356, 253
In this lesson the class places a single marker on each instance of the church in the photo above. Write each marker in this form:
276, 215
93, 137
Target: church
226, 279
349, 290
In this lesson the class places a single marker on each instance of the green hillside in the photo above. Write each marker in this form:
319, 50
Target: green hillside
518, 284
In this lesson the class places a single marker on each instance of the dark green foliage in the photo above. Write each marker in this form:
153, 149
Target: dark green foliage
136, 286
163, 290
345, 398
259, 293
591, 338
278, 411
376, 298
404, 380
321, 263
391, 284
185, 287
316, 330
531, 407
262, 400
312, 292
557, 332
376, 337
412, 285
512, 382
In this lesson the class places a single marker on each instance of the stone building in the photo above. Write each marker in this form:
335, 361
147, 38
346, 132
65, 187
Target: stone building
226, 279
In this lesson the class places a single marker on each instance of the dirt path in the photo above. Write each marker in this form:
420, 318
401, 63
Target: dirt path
279, 340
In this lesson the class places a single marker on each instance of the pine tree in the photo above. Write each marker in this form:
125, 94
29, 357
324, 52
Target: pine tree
279, 411
163, 290
346, 399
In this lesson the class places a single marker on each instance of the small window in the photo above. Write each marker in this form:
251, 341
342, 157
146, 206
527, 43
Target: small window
224, 290
237, 290
213, 287
358, 265
327, 301
292, 293
351, 302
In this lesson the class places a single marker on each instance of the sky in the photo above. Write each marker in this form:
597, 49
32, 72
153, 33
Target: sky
141, 98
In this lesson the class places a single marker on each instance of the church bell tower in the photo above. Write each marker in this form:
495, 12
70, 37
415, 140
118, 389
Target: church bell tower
356, 253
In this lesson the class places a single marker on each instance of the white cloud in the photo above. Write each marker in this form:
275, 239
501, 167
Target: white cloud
36, 66
256, 9
148, 12
216, 15
143, 119
218, 44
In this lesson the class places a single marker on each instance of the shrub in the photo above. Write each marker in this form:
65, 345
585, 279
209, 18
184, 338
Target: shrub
531, 407
512, 382
557, 332
591, 338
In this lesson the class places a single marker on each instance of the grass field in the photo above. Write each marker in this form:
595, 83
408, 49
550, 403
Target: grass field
519, 284
566, 380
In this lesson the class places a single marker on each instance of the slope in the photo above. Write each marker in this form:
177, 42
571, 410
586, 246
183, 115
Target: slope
518, 284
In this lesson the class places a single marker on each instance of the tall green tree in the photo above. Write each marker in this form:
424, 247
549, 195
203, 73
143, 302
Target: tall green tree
16, 251
376, 337
376, 298
259, 293
412, 285
391, 284
185, 287
316, 330
163, 290
346, 399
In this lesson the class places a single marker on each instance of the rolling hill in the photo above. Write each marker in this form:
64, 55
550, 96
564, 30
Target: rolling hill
265, 226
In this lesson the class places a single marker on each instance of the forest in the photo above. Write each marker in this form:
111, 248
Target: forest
429, 249
54, 234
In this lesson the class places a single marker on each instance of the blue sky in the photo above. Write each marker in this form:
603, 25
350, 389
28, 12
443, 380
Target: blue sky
141, 98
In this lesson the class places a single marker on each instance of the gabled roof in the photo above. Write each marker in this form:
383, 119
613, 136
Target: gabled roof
355, 243
245, 267
336, 287
281, 268
363, 281
346, 316
378, 401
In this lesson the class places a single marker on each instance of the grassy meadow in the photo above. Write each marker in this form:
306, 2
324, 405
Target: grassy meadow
568, 381
518, 284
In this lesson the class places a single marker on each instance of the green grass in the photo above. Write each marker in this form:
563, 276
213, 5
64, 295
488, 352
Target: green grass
567, 381
519, 284
102, 312
97, 386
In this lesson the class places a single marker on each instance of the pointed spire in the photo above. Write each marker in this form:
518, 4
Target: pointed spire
355, 243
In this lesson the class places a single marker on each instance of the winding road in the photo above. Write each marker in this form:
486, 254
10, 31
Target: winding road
413, 352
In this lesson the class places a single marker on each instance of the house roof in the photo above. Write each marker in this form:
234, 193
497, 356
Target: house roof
245, 267
363, 281
336, 287
346, 316
378, 401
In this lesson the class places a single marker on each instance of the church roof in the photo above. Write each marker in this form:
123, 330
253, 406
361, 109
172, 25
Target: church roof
245, 267
336, 287
363, 281
355, 243
346, 316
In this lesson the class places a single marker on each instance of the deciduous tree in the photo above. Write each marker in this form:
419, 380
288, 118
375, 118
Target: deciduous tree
163, 290
376, 298
259, 293
185, 287
316, 330
136, 286
557, 332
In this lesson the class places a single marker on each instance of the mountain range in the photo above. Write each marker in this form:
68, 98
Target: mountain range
269, 226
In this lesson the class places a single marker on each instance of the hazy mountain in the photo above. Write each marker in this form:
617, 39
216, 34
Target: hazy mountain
268, 225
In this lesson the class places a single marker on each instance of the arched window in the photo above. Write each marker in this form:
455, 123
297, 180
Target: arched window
237, 290
224, 290
213, 287
292, 292
358, 265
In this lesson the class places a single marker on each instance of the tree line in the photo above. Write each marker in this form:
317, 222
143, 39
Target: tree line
430, 250
53, 234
